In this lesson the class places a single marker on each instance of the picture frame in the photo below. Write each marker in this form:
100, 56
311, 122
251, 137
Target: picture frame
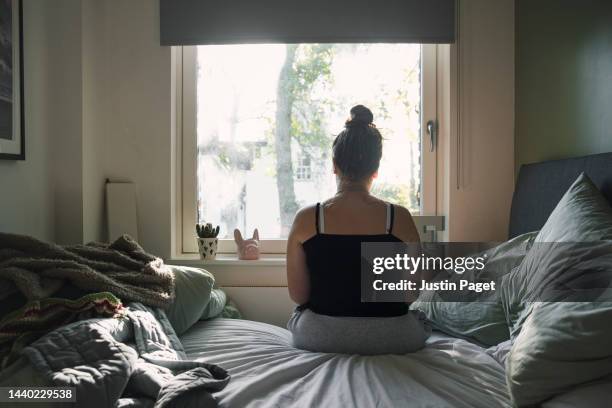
12, 116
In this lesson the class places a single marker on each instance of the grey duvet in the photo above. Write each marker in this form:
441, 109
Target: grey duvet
134, 361
268, 372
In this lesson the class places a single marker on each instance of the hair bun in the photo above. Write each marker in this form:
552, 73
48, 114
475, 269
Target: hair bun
360, 115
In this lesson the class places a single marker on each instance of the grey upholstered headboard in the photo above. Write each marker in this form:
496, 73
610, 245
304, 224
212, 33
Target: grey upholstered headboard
540, 186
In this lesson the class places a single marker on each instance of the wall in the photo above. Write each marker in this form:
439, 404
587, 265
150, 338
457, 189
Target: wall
64, 67
124, 82
564, 79
31, 199
476, 157
133, 131
99, 98
95, 85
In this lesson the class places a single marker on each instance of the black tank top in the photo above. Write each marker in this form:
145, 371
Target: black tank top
334, 266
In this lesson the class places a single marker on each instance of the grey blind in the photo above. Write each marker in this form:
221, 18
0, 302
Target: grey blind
193, 22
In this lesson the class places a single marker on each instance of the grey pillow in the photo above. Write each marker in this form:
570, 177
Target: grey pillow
561, 346
561, 251
582, 215
481, 320
193, 289
214, 308
558, 301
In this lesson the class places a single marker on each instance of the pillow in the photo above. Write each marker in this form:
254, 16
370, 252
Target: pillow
481, 320
594, 394
582, 215
215, 306
230, 310
193, 288
562, 251
558, 302
561, 346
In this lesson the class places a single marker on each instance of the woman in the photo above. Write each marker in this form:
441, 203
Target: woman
324, 256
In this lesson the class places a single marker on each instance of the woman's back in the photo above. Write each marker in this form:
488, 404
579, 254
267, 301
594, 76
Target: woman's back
337, 229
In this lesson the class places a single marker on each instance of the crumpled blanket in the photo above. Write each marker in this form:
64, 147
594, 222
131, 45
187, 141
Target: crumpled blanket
38, 269
38, 317
135, 361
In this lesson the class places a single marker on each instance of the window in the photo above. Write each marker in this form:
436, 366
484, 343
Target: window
258, 121
303, 170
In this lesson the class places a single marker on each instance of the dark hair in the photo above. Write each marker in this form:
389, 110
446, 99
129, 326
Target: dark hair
358, 148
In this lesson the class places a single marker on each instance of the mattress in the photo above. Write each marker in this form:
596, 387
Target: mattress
268, 372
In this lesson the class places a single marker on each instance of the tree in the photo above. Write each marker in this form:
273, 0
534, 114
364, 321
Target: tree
298, 116
282, 138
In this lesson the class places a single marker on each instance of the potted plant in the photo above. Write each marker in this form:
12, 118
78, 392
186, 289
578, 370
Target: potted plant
207, 240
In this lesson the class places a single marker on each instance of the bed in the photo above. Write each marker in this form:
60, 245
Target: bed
267, 371
540, 186
450, 372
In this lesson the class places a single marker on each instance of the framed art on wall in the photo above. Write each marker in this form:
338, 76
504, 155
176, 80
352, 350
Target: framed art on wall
12, 132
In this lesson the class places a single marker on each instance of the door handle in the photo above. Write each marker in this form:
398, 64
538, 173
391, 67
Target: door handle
432, 131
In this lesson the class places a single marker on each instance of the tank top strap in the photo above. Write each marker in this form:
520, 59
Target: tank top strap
320, 219
390, 218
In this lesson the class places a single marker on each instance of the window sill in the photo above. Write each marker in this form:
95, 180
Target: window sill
228, 260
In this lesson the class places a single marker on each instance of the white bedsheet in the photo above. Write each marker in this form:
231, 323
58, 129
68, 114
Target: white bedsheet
268, 372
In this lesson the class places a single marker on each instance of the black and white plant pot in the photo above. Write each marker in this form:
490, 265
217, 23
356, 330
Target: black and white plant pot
207, 248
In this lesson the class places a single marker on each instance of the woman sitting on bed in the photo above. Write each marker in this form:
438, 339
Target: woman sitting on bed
324, 256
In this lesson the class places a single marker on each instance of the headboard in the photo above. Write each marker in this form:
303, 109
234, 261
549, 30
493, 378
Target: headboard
540, 186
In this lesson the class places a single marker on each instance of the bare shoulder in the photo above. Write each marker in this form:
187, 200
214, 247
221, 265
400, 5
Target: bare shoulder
305, 215
402, 213
404, 226
304, 223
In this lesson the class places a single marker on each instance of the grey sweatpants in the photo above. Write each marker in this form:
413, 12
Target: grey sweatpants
359, 335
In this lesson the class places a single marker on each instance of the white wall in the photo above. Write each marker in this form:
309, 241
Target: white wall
129, 115
95, 84
124, 81
65, 105
99, 104
30, 198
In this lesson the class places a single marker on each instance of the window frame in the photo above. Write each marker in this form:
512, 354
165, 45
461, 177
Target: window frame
186, 158
303, 172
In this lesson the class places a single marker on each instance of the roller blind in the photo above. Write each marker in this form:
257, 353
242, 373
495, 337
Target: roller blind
199, 22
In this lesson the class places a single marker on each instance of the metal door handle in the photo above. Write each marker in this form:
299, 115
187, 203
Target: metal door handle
432, 130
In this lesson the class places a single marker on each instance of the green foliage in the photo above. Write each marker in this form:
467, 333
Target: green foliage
392, 193
312, 64
308, 128
312, 73
207, 230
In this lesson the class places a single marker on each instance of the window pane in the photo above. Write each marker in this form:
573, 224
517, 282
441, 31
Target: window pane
267, 115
